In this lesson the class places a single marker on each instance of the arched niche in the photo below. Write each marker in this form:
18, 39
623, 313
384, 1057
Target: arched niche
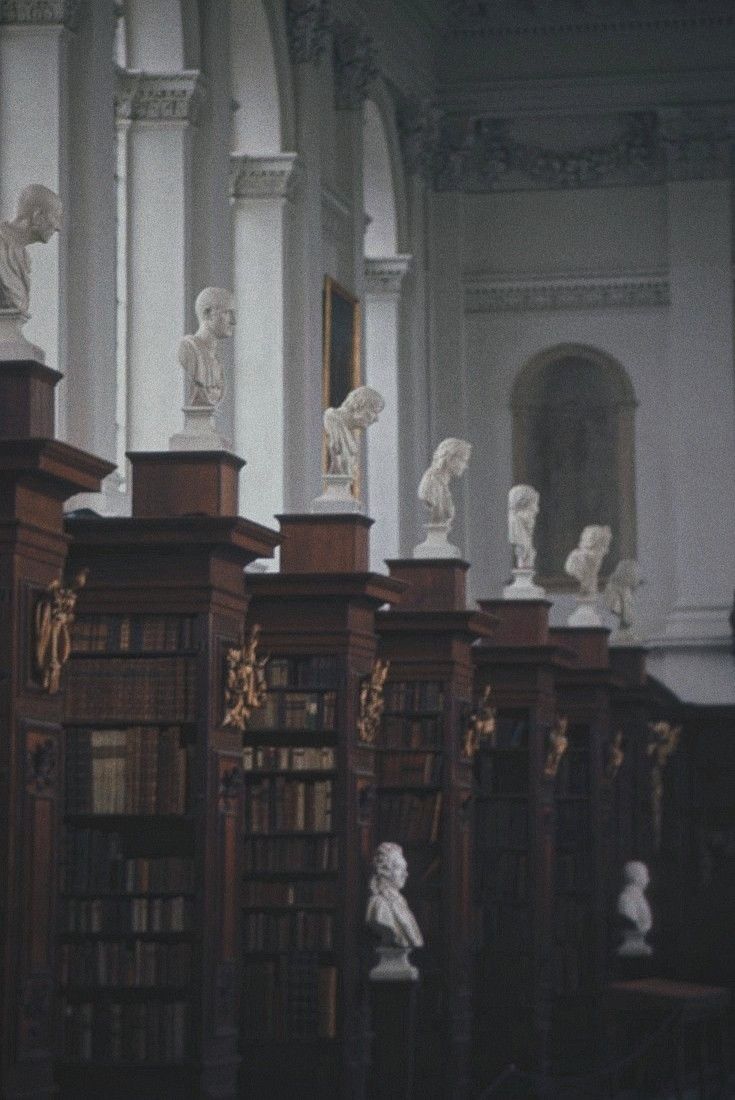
573, 439
262, 121
381, 235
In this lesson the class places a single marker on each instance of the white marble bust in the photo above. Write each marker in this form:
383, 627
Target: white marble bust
205, 377
388, 914
584, 562
450, 460
634, 912
620, 591
523, 507
359, 410
38, 217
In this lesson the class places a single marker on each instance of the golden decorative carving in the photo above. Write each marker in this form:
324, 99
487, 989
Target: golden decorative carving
480, 726
372, 703
664, 741
558, 744
245, 687
615, 756
53, 617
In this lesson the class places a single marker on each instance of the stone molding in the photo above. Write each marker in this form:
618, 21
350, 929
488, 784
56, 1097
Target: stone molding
480, 154
41, 13
355, 66
272, 176
385, 274
504, 18
307, 25
572, 292
418, 127
158, 97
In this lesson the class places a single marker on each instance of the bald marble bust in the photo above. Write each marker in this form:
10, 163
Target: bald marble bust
205, 376
38, 217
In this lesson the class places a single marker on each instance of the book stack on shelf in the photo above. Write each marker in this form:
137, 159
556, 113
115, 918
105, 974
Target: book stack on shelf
424, 799
308, 839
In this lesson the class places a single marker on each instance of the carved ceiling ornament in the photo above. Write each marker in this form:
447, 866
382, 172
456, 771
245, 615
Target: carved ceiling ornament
245, 686
52, 620
372, 702
355, 66
480, 727
663, 743
557, 745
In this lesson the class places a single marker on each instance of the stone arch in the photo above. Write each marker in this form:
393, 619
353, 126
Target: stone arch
260, 73
573, 410
382, 150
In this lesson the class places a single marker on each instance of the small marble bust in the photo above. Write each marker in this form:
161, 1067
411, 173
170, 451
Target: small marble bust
584, 563
620, 591
389, 916
358, 411
523, 508
205, 376
634, 912
450, 460
38, 217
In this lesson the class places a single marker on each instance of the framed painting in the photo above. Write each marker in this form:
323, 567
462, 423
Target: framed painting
341, 352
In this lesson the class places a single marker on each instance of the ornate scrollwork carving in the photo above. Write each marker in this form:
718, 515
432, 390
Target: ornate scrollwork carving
53, 617
372, 703
557, 745
245, 686
480, 727
663, 742
615, 756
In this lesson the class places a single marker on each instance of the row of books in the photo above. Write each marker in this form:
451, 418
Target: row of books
572, 919
296, 710
303, 672
293, 854
132, 689
410, 768
279, 758
95, 861
121, 964
413, 817
279, 804
574, 774
152, 1031
504, 774
414, 695
570, 968
297, 931
289, 997
511, 730
507, 925
573, 870
136, 770
572, 823
127, 914
505, 974
411, 733
132, 633
304, 892
502, 823
502, 874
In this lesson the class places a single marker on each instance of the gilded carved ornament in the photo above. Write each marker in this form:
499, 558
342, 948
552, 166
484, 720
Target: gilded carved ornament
557, 746
372, 703
245, 686
53, 617
480, 727
664, 741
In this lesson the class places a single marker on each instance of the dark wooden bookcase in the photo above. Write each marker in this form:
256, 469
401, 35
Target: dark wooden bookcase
514, 858
37, 474
149, 914
310, 799
425, 757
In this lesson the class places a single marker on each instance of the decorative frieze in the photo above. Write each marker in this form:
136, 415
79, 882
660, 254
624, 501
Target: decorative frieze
572, 293
698, 145
41, 13
267, 177
504, 18
307, 23
355, 66
385, 274
158, 97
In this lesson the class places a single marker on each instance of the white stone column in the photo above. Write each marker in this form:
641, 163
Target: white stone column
383, 279
161, 109
34, 132
695, 649
261, 187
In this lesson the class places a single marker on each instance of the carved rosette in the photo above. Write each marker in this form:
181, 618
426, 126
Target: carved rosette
558, 744
267, 177
355, 66
307, 24
245, 683
159, 97
41, 13
372, 703
480, 727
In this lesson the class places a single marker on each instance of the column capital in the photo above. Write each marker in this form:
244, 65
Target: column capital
266, 177
698, 143
40, 13
158, 97
385, 274
355, 66
307, 23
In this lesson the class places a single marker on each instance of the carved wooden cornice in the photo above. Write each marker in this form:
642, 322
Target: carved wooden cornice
158, 97
41, 13
273, 176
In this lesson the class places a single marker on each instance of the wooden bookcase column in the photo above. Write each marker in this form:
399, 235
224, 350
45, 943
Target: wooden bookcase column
151, 923
37, 474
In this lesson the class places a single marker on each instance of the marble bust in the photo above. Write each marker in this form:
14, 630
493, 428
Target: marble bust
389, 916
583, 563
523, 508
39, 215
359, 410
619, 595
205, 377
450, 459
634, 912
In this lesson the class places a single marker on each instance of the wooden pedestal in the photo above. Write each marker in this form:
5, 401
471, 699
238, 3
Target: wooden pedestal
336, 543
184, 483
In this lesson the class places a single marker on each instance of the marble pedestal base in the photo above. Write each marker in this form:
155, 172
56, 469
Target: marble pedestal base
634, 945
200, 432
436, 544
393, 966
523, 587
337, 496
13, 344
585, 613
